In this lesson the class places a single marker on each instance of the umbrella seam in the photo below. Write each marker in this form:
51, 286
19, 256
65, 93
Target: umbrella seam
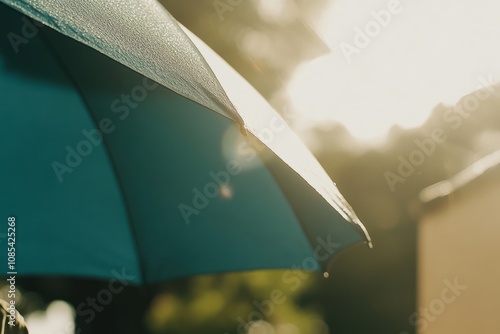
125, 202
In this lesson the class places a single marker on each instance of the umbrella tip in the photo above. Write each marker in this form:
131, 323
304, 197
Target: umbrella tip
326, 274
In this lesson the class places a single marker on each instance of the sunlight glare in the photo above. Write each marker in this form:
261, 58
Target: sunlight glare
429, 52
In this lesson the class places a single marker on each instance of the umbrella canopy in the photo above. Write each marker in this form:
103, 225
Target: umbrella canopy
109, 173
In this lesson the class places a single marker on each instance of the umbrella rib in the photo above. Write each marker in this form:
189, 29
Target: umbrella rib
300, 218
125, 201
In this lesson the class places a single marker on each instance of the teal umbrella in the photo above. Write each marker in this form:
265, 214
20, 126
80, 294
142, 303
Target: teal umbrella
105, 171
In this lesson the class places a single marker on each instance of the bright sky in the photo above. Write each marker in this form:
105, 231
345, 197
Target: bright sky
429, 52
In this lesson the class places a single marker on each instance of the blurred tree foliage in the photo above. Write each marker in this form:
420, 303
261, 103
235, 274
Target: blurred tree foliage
230, 303
263, 40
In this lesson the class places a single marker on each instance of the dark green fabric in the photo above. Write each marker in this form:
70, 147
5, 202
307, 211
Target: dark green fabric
73, 227
117, 212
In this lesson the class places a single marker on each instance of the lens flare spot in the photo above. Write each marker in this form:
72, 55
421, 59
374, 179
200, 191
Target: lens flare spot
226, 192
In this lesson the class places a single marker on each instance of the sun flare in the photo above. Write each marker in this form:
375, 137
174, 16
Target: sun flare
392, 62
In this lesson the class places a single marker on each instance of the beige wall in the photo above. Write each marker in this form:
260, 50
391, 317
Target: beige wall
461, 240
